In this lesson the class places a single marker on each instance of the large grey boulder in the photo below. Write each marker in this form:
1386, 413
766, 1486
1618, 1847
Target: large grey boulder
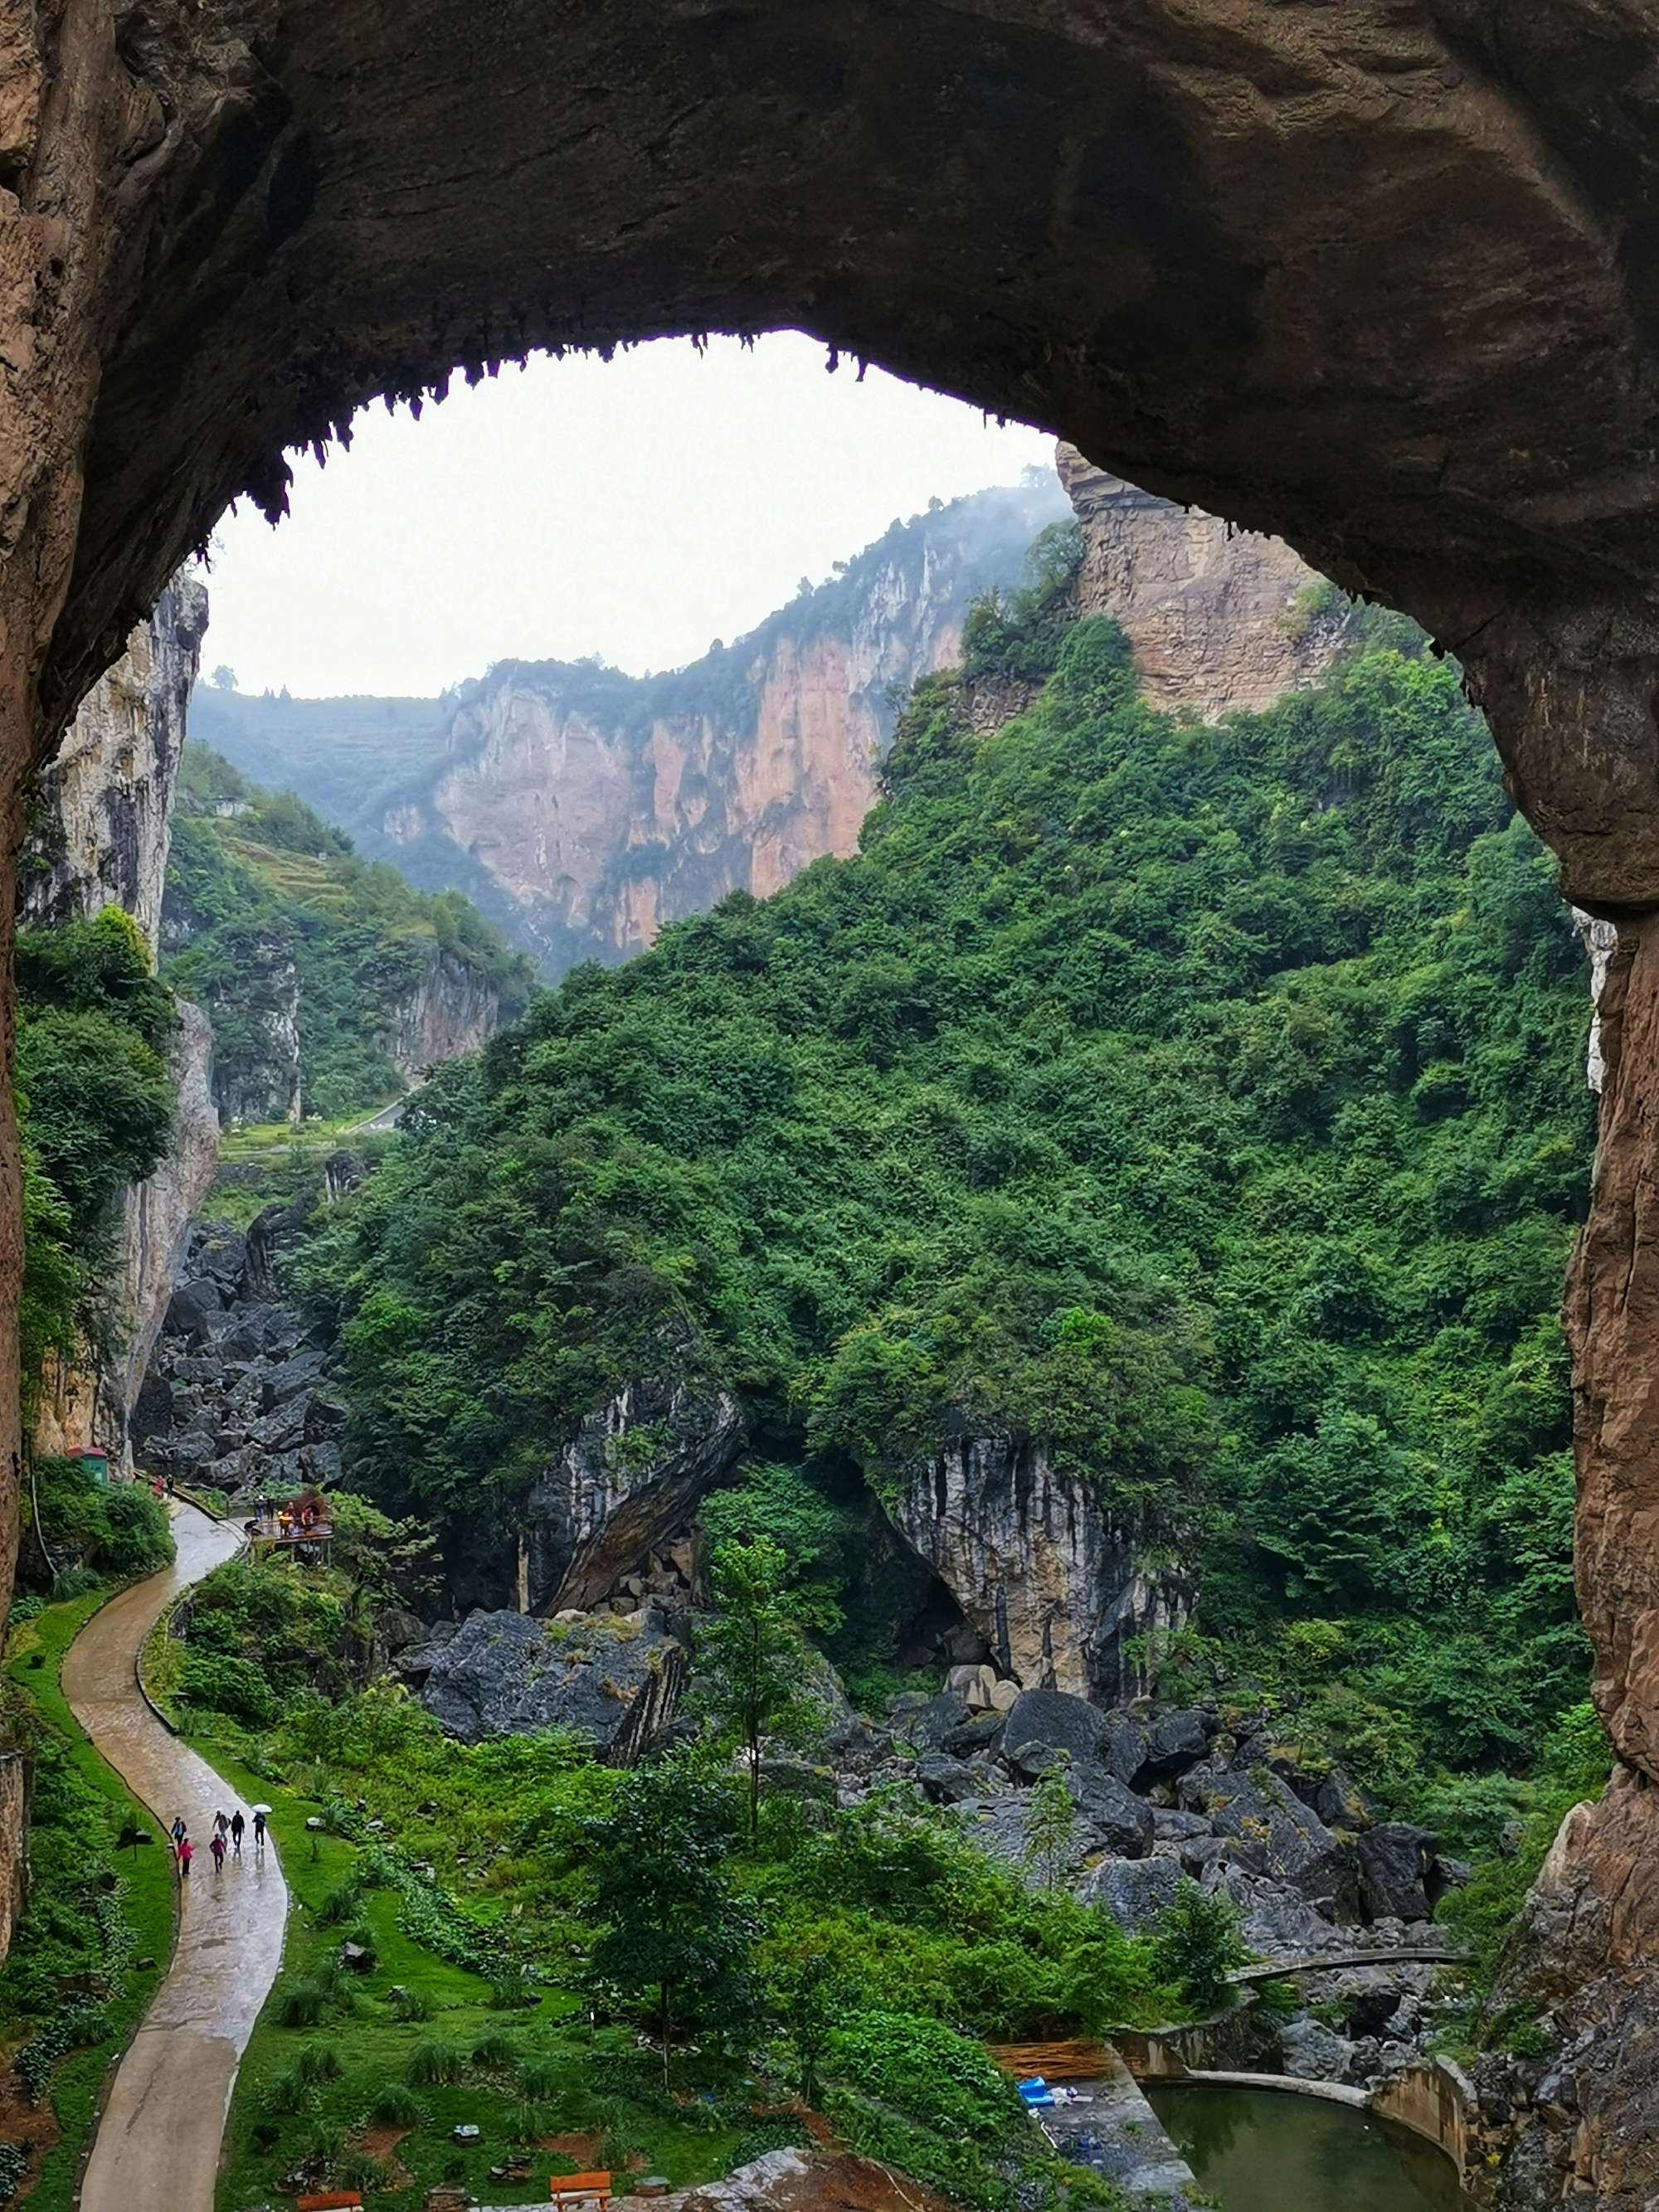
1177, 1742
1052, 1720
615, 1682
1113, 1818
1258, 1808
1133, 1891
1396, 1860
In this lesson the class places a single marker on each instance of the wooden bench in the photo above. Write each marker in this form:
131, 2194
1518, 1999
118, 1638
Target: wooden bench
580, 2192
331, 2200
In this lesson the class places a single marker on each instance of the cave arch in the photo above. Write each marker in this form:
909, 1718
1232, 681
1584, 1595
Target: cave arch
1380, 277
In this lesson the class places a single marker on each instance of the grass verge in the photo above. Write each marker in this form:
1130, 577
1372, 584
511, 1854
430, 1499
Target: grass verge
424, 2046
132, 1917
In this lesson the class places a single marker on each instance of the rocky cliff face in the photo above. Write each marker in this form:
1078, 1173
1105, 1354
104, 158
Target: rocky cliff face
101, 825
1056, 1589
1221, 620
100, 815
453, 1009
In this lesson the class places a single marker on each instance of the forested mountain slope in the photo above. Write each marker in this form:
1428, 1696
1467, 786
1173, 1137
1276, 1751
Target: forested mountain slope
1203, 1102
581, 808
330, 985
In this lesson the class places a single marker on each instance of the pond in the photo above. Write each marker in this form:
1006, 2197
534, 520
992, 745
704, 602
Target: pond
1261, 2150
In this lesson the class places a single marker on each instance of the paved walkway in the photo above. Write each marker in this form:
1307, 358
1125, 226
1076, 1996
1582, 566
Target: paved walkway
157, 2145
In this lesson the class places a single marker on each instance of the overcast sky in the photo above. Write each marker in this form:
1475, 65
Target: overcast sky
636, 509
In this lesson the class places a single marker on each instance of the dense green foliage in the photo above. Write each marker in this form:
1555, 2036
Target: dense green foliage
258, 885
73, 1525
96, 1102
1207, 1100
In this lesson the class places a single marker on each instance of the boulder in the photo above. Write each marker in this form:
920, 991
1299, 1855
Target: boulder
1005, 1696
1122, 1749
1133, 1891
615, 1683
191, 1308
1394, 1862
978, 1733
946, 1781
291, 1378
1199, 1853
1171, 1825
974, 1685
1114, 1817
1341, 1803
1177, 1741
1313, 2053
1056, 1721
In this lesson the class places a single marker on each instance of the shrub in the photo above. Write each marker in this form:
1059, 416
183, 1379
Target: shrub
433, 2065
1196, 1944
539, 2079
304, 2004
409, 2004
395, 2106
285, 2092
493, 2053
318, 2062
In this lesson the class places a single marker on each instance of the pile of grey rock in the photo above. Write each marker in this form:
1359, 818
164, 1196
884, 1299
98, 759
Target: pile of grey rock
237, 1393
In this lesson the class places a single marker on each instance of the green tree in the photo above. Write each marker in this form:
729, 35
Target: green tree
752, 1657
1050, 1826
1196, 1944
675, 1944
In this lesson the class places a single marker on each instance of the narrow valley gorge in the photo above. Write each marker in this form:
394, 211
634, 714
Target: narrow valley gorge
1069, 1281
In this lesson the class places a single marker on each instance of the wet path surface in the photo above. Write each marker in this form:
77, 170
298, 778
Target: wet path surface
157, 2144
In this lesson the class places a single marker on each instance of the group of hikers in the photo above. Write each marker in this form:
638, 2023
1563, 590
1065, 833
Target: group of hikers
229, 1830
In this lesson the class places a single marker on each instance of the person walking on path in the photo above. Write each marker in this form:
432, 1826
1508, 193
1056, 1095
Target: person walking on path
217, 1847
221, 1824
177, 1831
237, 1825
187, 1853
258, 1832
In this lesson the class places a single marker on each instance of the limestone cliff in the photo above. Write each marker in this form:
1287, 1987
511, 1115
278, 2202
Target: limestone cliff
1222, 620
100, 828
582, 809
1057, 1588
453, 1008
100, 814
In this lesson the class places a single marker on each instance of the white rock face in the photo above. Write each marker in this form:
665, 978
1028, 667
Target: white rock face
1055, 1586
100, 815
1601, 942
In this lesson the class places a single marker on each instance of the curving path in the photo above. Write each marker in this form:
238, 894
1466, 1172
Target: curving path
157, 2144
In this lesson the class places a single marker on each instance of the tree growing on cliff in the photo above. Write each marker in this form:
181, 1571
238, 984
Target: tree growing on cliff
752, 1659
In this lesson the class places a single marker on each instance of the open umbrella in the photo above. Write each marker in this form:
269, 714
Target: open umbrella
262, 1808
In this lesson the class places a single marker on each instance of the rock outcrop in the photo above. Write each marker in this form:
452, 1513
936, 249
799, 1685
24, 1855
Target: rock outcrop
100, 814
1055, 1586
628, 1480
453, 1009
1221, 620
615, 1682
